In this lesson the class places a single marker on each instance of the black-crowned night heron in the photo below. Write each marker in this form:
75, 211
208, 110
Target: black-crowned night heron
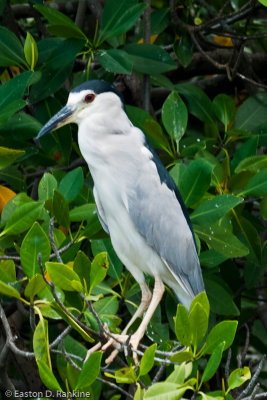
138, 203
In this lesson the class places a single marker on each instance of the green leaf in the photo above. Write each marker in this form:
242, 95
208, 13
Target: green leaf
251, 238
34, 286
55, 17
139, 393
211, 258
199, 103
180, 373
263, 2
114, 264
11, 51
198, 320
149, 58
116, 61
12, 205
223, 332
14, 89
238, 377
8, 112
202, 299
213, 363
82, 267
7, 271
220, 299
174, 116
63, 276
47, 376
22, 218
90, 371
252, 164
213, 209
252, 113
224, 108
41, 342
99, 269
86, 212
56, 69
147, 360
8, 156
46, 187
71, 185
154, 132
21, 125
257, 186
61, 209
221, 240
35, 242
182, 326
71, 322
184, 50
118, 18
8, 290
165, 390
247, 149
196, 181
177, 173
30, 51
182, 356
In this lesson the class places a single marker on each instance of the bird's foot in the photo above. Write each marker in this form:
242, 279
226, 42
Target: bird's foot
119, 341
123, 342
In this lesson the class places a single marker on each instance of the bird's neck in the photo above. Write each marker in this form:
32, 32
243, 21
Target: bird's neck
101, 135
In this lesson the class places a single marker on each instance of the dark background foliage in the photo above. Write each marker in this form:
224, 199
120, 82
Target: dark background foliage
193, 75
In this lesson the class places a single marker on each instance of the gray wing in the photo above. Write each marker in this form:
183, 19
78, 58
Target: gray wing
100, 212
159, 214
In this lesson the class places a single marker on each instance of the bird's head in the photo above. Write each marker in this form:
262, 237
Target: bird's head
89, 98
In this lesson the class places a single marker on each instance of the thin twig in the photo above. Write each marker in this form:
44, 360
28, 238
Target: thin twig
245, 350
60, 337
52, 240
260, 396
245, 78
95, 314
78, 358
63, 249
159, 373
68, 358
113, 386
227, 366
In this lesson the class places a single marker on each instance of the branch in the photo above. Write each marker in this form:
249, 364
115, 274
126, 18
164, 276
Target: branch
52, 240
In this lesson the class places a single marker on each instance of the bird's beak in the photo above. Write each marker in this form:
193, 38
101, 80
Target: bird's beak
63, 117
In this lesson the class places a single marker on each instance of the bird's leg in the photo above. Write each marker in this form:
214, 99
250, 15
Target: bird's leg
145, 301
138, 335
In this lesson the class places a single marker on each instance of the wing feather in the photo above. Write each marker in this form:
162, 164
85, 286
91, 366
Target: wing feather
159, 214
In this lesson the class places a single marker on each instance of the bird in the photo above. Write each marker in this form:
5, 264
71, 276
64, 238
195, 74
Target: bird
137, 201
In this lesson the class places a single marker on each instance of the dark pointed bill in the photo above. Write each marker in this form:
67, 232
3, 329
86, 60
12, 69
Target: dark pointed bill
58, 120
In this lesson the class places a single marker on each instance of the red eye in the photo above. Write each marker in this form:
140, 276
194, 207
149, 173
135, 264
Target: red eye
89, 98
